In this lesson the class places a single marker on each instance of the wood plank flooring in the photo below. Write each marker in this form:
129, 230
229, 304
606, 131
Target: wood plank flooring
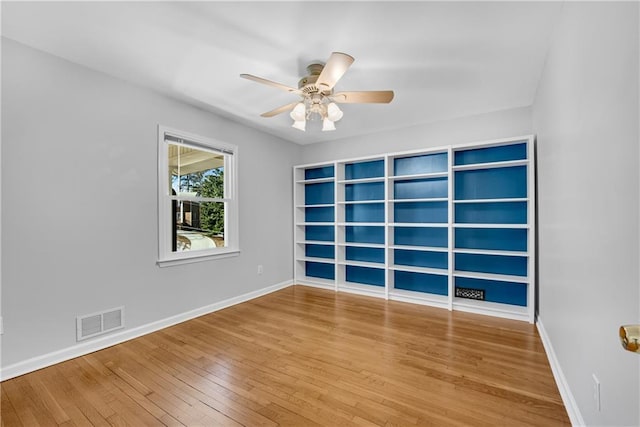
301, 357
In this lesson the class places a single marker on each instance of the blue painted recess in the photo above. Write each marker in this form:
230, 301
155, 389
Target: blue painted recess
421, 258
364, 234
426, 163
323, 233
320, 269
500, 153
491, 213
423, 212
497, 291
365, 275
361, 170
318, 194
364, 191
366, 212
319, 251
421, 282
319, 214
356, 253
421, 236
496, 264
318, 173
499, 239
495, 183
427, 188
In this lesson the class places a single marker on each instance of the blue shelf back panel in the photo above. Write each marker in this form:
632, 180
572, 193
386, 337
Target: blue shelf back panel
496, 183
365, 275
491, 213
320, 269
428, 163
497, 291
421, 282
319, 214
496, 264
429, 212
367, 212
421, 236
421, 258
427, 188
317, 173
318, 194
364, 234
361, 170
364, 191
500, 153
499, 239
355, 253
319, 251
323, 233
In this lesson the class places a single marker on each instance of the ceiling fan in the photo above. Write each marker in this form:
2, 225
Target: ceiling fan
316, 90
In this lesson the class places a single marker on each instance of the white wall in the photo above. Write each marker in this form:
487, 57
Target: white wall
79, 198
494, 125
586, 118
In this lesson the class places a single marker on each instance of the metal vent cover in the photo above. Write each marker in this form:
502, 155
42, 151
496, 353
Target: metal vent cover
477, 294
94, 324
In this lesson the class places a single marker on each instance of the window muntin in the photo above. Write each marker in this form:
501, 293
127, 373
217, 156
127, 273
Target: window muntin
198, 207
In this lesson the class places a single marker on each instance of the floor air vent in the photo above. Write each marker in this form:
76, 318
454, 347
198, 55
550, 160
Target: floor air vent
100, 323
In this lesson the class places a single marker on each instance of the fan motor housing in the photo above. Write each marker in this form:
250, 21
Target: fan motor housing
307, 84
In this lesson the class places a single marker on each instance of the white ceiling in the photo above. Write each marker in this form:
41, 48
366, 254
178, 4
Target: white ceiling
443, 59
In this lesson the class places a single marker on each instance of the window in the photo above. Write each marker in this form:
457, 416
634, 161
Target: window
197, 202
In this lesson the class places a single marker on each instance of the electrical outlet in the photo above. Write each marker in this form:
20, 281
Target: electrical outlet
596, 392
260, 269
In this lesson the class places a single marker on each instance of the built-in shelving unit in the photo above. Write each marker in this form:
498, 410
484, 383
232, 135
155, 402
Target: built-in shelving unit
451, 227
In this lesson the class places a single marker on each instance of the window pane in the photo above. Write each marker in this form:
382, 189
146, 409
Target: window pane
196, 172
198, 225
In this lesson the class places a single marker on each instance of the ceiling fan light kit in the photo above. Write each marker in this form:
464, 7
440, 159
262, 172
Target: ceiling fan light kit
318, 99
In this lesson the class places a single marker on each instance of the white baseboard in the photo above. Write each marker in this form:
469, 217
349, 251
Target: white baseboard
39, 362
563, 386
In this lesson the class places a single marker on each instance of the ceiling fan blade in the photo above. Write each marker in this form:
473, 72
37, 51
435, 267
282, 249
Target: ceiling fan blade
280, 110
333, 70
270, 83
363, 97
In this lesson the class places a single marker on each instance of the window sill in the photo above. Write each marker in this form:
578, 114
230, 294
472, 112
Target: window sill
197, 258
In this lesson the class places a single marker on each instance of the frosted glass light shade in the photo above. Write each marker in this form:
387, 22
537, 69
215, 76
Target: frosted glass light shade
328, 125
298, 112
299, 124
333, 112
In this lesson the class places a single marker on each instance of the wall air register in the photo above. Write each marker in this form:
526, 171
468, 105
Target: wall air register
477, 294
95, 324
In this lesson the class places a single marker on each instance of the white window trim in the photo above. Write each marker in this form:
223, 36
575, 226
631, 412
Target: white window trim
166, 257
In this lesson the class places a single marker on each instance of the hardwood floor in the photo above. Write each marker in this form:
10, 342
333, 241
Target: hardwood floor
303, 356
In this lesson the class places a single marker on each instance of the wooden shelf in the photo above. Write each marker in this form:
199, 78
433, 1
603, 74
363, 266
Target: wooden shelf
490, 192
361, 180
419, 176
515, 199
434, 199
362, 264
491, 165
313, 259
482, 225
489, 252
419, 248
315, 181
424, 270
491, 276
